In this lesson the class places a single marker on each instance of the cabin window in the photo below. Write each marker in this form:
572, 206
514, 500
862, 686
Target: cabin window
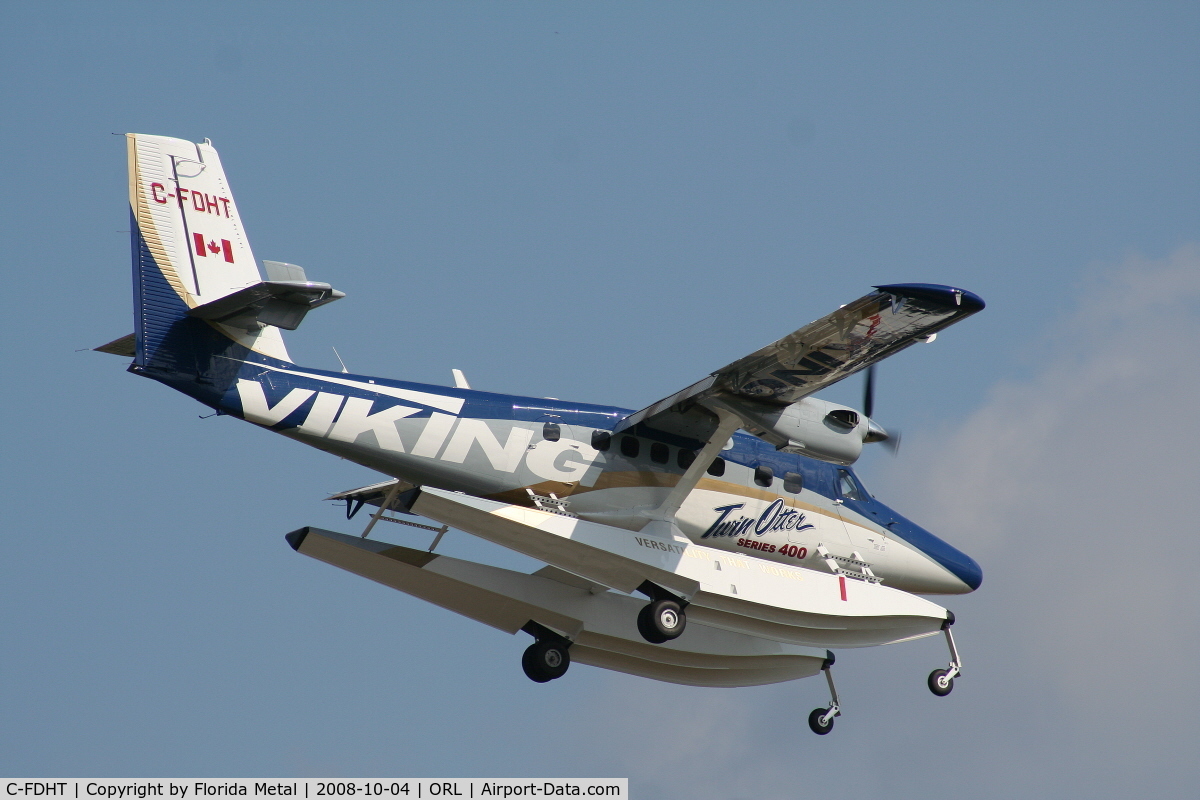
848, 487
793, 482
551, 432
660, 453
685, 457
629, 447
764, 476
601, 440
717, 467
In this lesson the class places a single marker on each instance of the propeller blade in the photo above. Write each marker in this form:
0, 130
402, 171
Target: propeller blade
869, 392
889, 439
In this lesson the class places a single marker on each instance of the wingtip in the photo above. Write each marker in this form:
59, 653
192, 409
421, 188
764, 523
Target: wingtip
938, 293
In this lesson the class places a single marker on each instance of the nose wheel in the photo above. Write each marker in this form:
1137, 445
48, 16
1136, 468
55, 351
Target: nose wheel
820, 721
941, 681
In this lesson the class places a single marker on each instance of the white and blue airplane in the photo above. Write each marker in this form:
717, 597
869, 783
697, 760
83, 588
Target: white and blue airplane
731, 505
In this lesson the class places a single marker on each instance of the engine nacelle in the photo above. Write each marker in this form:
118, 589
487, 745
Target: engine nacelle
810, 427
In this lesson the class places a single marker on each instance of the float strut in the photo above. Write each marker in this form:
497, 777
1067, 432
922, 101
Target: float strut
384, 506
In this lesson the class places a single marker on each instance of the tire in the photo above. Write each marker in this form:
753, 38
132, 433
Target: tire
939, 684
667, 619
545, 661
814, 722
646, 627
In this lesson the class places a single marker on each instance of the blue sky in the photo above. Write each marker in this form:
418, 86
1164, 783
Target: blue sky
604, 203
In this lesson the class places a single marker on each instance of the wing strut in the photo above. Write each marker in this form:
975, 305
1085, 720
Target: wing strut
728, 425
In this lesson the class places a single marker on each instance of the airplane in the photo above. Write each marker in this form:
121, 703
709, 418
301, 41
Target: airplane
730, 507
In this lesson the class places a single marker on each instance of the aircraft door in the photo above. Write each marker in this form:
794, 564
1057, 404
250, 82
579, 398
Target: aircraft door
827, 527
833, 534
870, 544
562, 453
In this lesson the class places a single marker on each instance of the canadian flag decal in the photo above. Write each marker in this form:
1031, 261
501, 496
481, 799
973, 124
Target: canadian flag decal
203, 248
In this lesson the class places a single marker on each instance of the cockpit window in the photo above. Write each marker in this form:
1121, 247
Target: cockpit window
848, 487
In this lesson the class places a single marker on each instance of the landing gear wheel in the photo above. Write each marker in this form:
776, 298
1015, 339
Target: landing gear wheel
816, 723
940, 683
646, 627
544, 661
661, 621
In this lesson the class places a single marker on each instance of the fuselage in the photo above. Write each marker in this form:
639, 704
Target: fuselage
753, 501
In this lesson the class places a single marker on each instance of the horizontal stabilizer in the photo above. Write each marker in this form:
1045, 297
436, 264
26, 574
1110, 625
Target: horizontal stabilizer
125, 346
374, 495
282, 303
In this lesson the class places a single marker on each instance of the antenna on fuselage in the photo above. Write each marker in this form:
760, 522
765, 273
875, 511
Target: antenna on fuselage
460, 380
343, 363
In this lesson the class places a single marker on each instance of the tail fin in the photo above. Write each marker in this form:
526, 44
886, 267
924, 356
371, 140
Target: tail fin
189, 250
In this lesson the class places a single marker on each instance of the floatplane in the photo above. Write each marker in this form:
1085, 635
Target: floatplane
717, 537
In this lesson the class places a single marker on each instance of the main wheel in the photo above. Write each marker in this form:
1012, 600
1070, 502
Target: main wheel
815, 722
661, 621
646, 627
939, 682
544, 661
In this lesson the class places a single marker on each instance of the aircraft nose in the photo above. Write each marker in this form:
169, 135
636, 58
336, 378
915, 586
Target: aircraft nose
969, 572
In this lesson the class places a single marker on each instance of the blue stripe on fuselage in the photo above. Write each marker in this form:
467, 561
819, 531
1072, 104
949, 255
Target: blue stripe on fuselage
747, 450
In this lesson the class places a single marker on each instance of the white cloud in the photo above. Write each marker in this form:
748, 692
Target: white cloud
1075, 489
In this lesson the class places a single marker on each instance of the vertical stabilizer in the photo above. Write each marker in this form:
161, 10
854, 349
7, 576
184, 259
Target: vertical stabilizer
189, 249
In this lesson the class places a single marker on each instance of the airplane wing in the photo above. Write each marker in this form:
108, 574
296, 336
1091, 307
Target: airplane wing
373, 495
821, 353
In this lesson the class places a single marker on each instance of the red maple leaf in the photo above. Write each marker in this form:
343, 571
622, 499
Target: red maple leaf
213, 247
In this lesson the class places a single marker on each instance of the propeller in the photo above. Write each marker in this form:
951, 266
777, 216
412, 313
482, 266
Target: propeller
875, 433
869, 392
